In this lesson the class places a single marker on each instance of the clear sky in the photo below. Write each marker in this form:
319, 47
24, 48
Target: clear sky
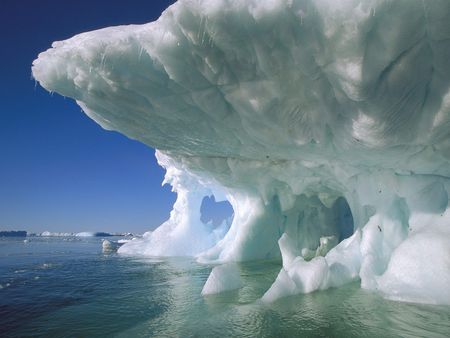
59, 171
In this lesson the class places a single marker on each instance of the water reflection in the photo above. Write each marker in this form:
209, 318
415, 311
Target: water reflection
343, 312
86, 293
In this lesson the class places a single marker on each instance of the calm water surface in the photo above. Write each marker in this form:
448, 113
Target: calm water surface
54, 287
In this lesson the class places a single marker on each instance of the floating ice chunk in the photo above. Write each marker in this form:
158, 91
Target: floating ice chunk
223, 278
109, 246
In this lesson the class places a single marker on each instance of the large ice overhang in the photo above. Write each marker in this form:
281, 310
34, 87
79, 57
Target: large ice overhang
284, 108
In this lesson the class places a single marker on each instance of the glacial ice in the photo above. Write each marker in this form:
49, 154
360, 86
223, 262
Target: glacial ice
110, 246
313, 118
222, 278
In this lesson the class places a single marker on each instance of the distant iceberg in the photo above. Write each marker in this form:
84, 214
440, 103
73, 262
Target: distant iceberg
313, 118
13, 233
81, 234
93, 234
55, 234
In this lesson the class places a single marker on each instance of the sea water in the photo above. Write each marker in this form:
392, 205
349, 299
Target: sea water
66, 287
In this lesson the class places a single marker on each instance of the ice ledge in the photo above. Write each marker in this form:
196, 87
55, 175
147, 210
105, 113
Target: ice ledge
285, 108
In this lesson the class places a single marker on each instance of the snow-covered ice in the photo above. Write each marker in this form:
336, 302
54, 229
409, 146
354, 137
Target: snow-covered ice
320, 121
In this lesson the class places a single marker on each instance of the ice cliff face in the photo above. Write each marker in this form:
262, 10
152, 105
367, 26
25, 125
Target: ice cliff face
313, 118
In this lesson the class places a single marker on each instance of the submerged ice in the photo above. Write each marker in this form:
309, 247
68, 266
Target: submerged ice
324, 123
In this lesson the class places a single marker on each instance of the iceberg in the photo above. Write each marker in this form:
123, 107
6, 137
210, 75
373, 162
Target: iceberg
93, 234
324, 123
110, 246
55, 234
13, 233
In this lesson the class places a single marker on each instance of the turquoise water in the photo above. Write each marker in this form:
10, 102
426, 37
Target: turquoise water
69, 288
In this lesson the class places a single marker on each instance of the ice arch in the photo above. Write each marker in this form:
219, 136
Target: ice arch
282, 107
215, 212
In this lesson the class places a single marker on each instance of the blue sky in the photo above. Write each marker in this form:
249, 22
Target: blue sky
59, 171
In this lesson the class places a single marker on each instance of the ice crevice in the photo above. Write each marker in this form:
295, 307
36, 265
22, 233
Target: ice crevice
324, 123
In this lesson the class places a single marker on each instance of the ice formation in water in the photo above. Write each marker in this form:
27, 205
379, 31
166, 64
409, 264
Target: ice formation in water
223, 278
320, 121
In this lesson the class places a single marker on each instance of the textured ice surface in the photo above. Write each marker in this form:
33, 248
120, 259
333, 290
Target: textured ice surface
110, 246
222, 278
312, 118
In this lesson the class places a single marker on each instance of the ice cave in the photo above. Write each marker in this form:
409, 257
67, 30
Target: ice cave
324, 123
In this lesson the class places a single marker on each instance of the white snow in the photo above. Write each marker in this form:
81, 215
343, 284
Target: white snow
296, 112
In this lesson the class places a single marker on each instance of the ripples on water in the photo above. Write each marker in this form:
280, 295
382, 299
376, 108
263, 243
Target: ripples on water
55, 288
